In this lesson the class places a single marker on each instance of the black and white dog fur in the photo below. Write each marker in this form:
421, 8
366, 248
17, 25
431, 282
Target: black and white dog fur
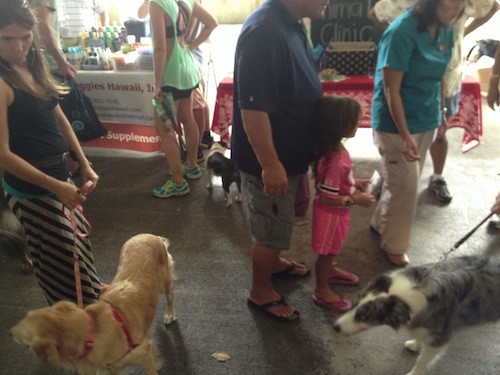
432, 301
12, 236
219, 165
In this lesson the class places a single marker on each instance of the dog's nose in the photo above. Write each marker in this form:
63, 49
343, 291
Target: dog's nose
336, 328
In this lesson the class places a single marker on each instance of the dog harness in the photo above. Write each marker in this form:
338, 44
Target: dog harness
89, 341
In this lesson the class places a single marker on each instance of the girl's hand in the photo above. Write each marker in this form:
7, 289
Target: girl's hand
361, 184
364, 200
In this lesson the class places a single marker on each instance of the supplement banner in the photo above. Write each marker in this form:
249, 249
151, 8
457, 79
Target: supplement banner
122, 101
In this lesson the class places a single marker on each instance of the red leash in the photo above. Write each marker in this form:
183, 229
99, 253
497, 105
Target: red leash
76, 262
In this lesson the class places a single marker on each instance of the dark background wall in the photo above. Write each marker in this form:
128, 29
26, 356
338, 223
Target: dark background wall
344, 21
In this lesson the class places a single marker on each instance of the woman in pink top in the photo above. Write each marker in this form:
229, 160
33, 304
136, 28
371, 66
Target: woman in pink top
336, 118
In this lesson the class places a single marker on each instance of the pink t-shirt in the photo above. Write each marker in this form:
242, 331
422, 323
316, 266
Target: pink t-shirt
330, 224
334, 177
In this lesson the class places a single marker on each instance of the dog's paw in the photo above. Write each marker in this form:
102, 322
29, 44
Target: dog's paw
210, 185
169, 319
238, 198
412, 345
229, 200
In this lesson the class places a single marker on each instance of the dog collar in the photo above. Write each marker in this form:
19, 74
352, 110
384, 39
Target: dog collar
89, 341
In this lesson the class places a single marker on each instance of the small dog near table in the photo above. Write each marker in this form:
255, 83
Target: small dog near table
114, 332
431, 301
219, 165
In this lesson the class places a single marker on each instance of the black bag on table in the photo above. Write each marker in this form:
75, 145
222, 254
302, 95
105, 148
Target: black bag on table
483, 47
81, 114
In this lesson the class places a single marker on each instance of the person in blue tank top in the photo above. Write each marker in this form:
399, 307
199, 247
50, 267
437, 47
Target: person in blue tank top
407, 108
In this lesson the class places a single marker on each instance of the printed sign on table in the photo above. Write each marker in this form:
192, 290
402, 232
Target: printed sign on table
122, 101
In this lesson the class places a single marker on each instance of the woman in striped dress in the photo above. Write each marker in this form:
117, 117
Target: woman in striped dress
35, 141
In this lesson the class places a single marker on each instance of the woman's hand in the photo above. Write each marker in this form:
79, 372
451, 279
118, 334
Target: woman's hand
441, 131
69, 195
88, 174
493, 97
158, 94
410, 150
496, 206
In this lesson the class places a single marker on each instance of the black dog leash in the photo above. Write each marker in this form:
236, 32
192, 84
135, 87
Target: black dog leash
444, 256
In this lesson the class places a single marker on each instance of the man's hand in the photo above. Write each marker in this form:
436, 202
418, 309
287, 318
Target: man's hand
275, 180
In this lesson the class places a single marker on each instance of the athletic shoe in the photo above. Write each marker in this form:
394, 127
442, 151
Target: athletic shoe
171, 189
201, 156
440, 188
206, 141
193, 174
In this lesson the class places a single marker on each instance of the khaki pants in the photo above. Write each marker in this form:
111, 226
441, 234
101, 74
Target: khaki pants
395, 211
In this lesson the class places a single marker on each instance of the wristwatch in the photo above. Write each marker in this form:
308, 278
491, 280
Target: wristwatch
348, 200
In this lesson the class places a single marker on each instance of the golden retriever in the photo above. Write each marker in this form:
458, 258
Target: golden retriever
114, 332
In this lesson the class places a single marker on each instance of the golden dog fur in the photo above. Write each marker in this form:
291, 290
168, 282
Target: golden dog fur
58, 334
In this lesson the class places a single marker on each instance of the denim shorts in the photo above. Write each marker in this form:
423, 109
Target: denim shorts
452, 105
271, 219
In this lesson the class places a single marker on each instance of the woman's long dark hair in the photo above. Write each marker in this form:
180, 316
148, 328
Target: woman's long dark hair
335, 117
17, 12
425, 11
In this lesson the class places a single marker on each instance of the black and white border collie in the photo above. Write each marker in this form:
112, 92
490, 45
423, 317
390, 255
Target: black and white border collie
432, 301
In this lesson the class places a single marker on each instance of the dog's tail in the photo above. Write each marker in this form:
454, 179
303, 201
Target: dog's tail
166, 244
12, 236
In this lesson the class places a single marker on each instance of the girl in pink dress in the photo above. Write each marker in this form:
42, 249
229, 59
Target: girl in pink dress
337, 190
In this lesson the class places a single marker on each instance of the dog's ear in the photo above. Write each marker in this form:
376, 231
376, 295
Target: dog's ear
381, 284
397, 312
45, 349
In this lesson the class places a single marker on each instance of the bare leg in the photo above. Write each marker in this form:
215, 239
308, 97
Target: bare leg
264, 261
185, 115
439, 151
171, 149
323, 272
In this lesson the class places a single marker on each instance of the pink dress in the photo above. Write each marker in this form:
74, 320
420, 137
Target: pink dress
330, 224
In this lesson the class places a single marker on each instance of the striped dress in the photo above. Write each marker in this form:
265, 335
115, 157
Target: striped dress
51, 243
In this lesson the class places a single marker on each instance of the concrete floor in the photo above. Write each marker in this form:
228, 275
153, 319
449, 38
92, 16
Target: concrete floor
210, 245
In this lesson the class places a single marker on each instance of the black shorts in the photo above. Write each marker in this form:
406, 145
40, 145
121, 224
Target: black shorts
178, 94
